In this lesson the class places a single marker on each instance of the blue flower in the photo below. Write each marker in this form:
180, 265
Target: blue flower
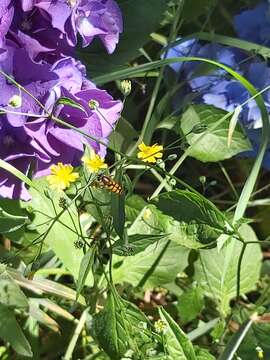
254, 25
215, 87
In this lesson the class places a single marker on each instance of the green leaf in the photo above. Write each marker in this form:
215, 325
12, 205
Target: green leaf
202, 354
159, 262
10, 293
10, 223
11, 332
216, 272
134, 205
124, 134
191, 235
10, 168
136, 244
70, 102
118, 213
187, 206
190, 304
193, 9
214, 145
178, 345
63, 246
121, 326
85, 268
141, 18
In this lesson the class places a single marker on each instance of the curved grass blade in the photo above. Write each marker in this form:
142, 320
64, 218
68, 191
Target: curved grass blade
250, 183
10, 168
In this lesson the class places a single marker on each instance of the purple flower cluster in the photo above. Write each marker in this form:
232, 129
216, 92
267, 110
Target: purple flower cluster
216, 87
37, 42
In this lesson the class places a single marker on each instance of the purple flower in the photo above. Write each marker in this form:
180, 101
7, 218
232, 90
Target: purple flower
19, 150
6, 16
52, 26
66, 145
215, 87
254, 25
41, 142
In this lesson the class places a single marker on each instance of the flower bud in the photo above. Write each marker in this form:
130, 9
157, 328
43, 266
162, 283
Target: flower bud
125, 87
93, 104
199, 128
172, 157
202, 180
63, 202
15, 101
79, 243
172, 182
48, 194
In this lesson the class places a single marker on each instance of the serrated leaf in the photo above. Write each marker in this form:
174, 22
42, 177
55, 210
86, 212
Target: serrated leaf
187, 206
136, 244
155, 222
217, 274
213, 146
121, 326
178, 345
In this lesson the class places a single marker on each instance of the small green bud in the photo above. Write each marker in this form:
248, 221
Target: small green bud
199, 128
48, 194
172, 157
202, 180
184, 145
15, 101
125, 87
172, 182
161, 163
79, 244
260, 353
63, 202
93, 104
29, 209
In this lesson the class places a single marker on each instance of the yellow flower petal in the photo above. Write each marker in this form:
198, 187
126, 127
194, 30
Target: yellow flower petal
150, 154
62, 176
94, 163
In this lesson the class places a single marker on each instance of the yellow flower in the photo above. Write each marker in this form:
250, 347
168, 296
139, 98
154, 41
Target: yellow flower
150, 153
94, 163
62, 176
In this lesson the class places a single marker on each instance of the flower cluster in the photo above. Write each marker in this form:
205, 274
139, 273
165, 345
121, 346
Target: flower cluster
216, 87
37, 68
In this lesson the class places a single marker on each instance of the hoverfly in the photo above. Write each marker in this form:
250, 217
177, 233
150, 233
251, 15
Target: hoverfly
110, 184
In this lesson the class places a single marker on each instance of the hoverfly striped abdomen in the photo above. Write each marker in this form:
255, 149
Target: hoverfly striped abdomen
110, 184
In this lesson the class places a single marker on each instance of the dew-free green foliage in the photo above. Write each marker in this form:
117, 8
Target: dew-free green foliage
216, 272
214, 146
172, 268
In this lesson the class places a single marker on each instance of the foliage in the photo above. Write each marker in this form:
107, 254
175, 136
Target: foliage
138, 258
